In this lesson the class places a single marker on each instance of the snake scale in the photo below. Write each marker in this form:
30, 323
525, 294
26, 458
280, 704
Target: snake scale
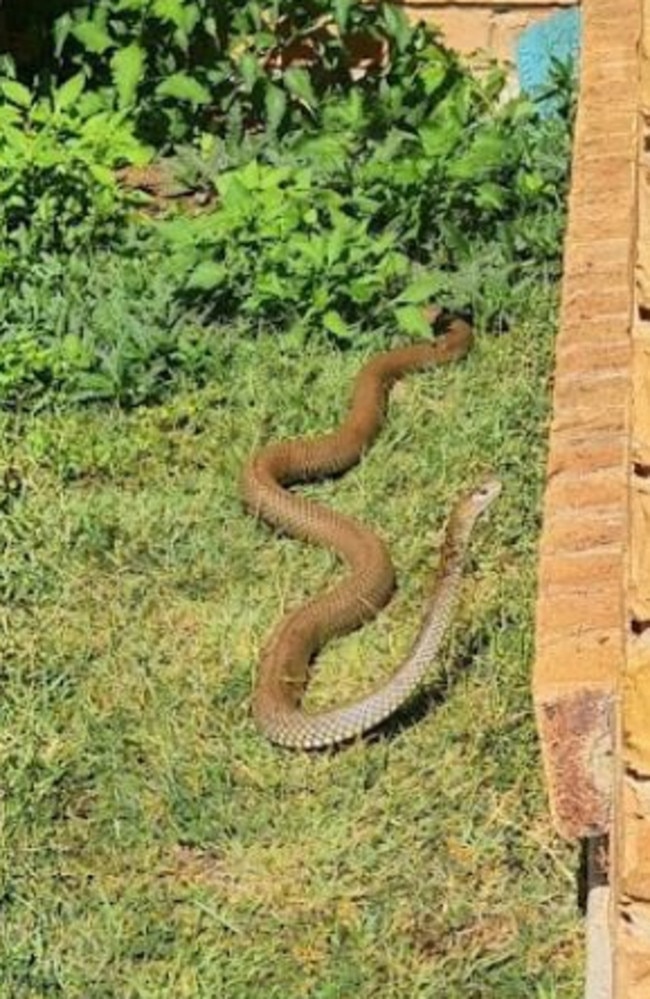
285, 663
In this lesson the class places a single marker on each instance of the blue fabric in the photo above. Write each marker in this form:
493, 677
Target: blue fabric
556, 37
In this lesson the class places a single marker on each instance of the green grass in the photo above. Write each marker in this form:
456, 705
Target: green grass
153, 844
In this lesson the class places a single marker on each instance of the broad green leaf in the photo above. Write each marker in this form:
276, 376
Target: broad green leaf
411, 320
9, 115
298, 83
423, 289
61, 31
170, 10
490, 195
434, 75
271, 286
16, 93
68, 94
398, 26
249, 70
362, 289
206, 276
489, 151
16, 139
254, 11
193, 15
530, 183
91, 103
184, 88
334, 323
342, 10
92, 36
440, 138
209, 25
276, 106
102, 174
127, 68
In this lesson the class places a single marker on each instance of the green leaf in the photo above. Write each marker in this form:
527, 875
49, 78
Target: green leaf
249, 70
16, 139
334, 323
206, 276
398, 26
342, 10
489, 151
60, 33
439, 139
491, 196
423, 289
16, 93
127, 69
276, 106
183, 17
170, 10
102, 175
434, 74
298, 83
530, 183
91, 103
184, 88
93, 37
9, 116
68, 94
410, 319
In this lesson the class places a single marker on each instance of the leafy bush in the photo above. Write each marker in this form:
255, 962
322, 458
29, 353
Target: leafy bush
283, 249
347, 193
361, 223
57, 189
183, 65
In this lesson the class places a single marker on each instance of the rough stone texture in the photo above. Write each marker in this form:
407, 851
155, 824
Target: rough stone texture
490, 26
592, 673
581, 612
632, 859
577, 731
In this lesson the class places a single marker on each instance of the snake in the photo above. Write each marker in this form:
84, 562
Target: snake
286, 659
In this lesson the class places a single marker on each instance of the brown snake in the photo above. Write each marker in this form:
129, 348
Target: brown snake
284, 668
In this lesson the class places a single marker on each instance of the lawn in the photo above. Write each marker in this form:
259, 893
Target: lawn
153, 844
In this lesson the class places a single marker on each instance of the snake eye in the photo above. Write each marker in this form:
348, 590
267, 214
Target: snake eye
486, 492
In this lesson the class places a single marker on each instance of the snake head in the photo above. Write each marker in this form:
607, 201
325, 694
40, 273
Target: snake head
481, 498
467, 511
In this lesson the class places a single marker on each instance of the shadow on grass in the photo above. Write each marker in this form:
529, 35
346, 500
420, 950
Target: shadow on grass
422, 703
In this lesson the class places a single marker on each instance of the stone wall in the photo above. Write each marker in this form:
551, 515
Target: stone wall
471, 25
592, 669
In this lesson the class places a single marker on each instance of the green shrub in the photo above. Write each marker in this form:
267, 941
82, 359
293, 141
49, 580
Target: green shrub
354, 227
285, 250
57, 189
183, 65
343, 202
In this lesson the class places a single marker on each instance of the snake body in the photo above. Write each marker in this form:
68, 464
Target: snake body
285, 663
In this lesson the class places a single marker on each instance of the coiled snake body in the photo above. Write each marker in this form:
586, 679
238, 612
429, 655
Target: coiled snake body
284, 669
